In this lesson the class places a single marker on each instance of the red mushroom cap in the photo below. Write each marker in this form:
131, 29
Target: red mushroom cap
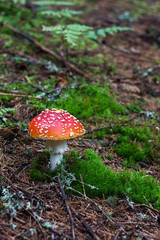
55, 124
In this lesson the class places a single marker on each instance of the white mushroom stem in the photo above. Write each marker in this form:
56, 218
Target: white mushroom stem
56, 149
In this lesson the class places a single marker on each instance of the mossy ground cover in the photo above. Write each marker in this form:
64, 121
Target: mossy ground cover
133, 144
85, 102
100, 181
97, 107
136, 185
123, 164
39, 171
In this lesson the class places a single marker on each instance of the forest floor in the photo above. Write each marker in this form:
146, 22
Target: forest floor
128, 65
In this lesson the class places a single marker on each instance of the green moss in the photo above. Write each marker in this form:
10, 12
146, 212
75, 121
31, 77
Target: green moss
112, 69
133, 144
39, 170
89, 101
136, 185
96, 106
133, 152
2, 207
156, 78
6, 98
84, 103
134, 133
23, 88
96, 60
133, 107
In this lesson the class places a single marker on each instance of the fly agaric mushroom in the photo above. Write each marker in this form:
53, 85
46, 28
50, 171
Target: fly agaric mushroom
55, 126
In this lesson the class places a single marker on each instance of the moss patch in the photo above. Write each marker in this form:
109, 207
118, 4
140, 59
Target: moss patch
136, 185
39, 170
133, 144
85, 102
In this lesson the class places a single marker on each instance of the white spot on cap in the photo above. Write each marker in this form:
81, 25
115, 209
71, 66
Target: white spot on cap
71, 134
50, 122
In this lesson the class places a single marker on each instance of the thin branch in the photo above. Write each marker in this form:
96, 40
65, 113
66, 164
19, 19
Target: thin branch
67, 206
99, 208
121, 125
18, 95
122, 164
87, 227
149, 207
43, 48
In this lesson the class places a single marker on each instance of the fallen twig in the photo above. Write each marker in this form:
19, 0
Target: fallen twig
100, 209
121, 125
87, 227
122, 164
18, 95
57, 89
140, 223
43, 48
67, 206
149, 207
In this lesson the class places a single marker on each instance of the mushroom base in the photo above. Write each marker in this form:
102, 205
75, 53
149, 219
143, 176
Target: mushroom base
55, 160
56, 149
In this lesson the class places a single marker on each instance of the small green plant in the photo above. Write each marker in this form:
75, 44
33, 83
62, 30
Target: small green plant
156, 78
73, 34
112, 69
126, 16
56, 3
137, 186
101, 33
69, 34
65, 13
3, 113
133, 108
